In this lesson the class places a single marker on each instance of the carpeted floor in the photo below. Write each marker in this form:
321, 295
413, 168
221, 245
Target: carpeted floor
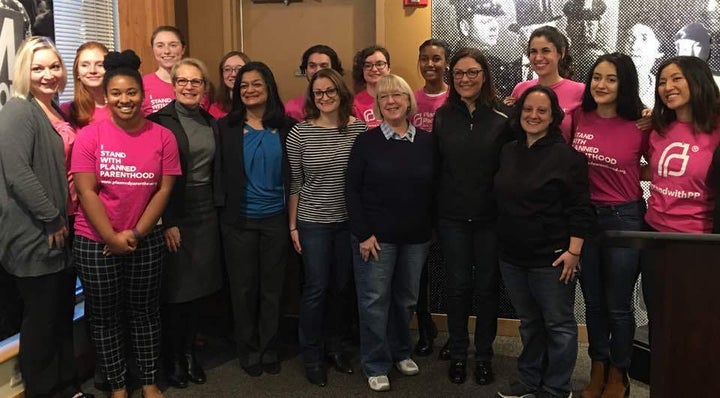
227, 379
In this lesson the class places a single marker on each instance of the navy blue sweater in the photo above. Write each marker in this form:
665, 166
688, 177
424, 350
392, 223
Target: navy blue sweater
389, 188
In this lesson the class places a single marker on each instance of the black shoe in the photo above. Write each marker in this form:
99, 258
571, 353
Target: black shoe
484, 373
272, 368
457, 373
427, 331
253, 370
195, 372
316, 375
177, 373
340, 362
445, 352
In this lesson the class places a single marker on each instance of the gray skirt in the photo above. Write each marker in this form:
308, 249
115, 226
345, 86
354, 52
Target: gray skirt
195, 270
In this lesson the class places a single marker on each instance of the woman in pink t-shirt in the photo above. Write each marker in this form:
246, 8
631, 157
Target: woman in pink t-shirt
686, 132
369, 65
168, 45
88, 104
605, 132
124, 170
432, 63
230, 64
549, 59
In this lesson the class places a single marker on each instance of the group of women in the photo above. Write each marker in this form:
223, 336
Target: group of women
144, 179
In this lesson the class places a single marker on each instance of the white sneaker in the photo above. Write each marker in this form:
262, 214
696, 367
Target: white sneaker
379, 383
408, 367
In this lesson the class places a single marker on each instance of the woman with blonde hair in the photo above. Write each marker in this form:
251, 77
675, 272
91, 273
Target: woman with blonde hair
34, 198
389, 198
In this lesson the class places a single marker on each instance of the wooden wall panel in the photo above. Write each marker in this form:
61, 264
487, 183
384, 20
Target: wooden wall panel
137, 19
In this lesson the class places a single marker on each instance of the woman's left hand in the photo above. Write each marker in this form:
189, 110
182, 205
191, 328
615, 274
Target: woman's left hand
571, 266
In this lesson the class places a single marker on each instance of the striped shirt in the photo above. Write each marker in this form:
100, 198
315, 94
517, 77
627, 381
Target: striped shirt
318, 159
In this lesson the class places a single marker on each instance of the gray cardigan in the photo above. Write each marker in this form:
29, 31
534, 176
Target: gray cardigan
33, 190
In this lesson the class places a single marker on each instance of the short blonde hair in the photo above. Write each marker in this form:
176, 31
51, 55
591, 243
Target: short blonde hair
191, 62
23, 62
393, 83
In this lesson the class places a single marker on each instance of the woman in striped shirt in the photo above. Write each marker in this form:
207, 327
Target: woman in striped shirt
318, 151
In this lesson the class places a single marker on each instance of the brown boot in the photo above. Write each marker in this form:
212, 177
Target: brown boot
617, 385
597, 381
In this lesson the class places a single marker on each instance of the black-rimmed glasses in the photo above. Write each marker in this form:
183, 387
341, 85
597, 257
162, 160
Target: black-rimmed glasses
331, 93
472, 74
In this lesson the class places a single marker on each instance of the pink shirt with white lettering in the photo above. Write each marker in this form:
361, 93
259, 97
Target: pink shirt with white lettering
613, 147
159, 93
363, 105
680, 198
427, 104
569, 95
100, 112
295, 108
128, 167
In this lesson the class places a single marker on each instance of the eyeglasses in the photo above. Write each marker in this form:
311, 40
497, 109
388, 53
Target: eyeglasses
182, 82
230, 69
395, 96
331, 93
379, 65
472, 74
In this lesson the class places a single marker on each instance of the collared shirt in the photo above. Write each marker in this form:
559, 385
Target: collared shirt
389, 133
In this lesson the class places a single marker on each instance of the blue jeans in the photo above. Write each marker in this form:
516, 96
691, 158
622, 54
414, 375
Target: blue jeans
325, 306
608, 280
548, 330
471, 263
387, 292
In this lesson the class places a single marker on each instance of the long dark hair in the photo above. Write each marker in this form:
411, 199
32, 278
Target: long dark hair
555, 110
628, 104
343, 94
223, 97
274, 115
488, 93
704, 96
561, 43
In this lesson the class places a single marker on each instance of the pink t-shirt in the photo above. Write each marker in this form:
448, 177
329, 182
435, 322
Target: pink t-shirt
569, 95
613, 147
680, 198
67, 132
100, 113
159, 93
128, 167
363, 105
295, 108
216, 111
427, 104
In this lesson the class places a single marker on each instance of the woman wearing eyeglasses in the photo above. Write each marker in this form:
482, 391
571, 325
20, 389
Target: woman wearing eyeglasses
469, 131
369, 65
230, 65
190, 224
318, 151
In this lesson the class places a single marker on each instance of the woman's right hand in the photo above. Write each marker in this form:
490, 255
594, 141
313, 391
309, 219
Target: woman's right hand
121, 243
369, 248
295, 236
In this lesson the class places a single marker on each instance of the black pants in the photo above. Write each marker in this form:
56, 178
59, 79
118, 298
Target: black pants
471, 263
47, 359
256, 253
180, 327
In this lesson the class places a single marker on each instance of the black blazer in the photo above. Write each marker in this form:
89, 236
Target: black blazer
230, 187
168, 118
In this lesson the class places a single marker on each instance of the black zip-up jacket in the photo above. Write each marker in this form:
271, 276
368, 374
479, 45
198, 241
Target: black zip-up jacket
543, 199
168, 118
467, 149
230, 187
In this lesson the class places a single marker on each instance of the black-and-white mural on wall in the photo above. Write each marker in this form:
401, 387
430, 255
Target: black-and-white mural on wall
649, 31
18, 20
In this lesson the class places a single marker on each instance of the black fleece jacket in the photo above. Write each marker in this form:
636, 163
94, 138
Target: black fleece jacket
543, 199
467, 148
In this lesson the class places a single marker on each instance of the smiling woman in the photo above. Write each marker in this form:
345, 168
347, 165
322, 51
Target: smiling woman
88, 104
